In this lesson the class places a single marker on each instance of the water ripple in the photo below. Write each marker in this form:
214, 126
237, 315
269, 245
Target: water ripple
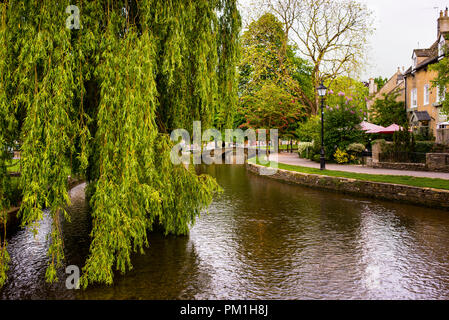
261, 240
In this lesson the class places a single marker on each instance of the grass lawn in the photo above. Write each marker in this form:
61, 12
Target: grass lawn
404, 180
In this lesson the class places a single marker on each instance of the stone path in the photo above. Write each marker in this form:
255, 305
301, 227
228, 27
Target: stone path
293, 159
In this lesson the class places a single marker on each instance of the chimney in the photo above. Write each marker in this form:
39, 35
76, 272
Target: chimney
372, 87
443, 22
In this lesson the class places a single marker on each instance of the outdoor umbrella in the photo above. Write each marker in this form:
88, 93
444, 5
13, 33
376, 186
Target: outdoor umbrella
391, 129
370, 127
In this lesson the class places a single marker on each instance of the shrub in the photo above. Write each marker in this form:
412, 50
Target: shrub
342, 125
310, 130
440, 148
316, 157
381, 141
356, 148
341, 157
387, 110
402, 149
404, 141
424, 146
304, 149
424, 135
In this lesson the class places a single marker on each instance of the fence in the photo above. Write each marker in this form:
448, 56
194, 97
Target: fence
402, 157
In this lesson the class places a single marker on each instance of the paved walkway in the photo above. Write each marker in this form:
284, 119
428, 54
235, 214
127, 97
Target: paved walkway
293, 159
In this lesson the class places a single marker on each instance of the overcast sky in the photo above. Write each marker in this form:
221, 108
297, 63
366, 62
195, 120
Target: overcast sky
401, 26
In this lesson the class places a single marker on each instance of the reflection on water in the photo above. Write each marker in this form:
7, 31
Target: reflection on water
262, 239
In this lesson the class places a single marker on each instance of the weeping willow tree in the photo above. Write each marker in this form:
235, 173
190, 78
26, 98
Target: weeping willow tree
99, 102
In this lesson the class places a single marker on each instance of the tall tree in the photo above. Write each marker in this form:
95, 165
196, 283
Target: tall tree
287, 11
332, 35
99, 102
354, 90
261, 54
229, 53
272, 107
388, 110
380, 82
263, 59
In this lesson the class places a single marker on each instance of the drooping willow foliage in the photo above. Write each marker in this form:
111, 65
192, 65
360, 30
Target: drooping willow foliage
5, 121
100, 102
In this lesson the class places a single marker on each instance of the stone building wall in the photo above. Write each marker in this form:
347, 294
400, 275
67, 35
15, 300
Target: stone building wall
421, 78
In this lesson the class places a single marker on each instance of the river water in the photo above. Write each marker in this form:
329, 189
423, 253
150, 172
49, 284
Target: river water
261, 239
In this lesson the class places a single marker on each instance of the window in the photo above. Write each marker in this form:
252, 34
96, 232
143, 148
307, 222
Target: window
415, 61
441, 96
441, 45
426, 94
414, 98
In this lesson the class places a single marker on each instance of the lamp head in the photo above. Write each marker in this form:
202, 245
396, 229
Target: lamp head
322, 90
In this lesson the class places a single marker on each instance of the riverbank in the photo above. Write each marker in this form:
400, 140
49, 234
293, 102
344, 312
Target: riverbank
328, 180
259, 240
294, 160
13, 220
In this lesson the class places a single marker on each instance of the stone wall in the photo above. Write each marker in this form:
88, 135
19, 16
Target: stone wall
421, 196
438, 162
400, 166
376, 151
442, 136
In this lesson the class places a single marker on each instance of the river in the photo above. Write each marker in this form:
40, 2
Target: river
261, 239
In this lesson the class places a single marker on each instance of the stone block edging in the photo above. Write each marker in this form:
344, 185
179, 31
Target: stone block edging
401, 166
429, 197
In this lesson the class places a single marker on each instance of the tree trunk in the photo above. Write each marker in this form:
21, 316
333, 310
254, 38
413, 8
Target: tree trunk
315, 81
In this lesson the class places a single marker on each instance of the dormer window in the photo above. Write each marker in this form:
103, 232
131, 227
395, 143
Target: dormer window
415, 60
441, 45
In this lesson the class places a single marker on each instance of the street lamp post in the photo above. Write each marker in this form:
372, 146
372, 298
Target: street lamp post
322, 90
